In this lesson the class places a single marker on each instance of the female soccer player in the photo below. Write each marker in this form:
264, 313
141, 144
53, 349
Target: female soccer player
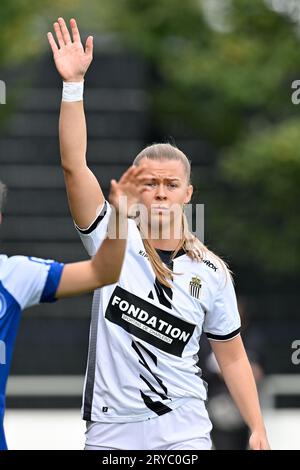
25, 281
143, 389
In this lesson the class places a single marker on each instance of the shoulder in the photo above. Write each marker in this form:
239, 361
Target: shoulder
30, 280
102, 215
13, 262
19, 260
210, 265
25, 266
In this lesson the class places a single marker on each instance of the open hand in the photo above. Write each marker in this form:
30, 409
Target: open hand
71, 59
125, 194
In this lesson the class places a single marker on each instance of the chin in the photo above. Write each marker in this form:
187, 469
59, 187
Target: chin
160, 222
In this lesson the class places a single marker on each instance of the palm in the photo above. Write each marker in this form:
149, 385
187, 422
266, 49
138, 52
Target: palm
71, 61
126, 193
131, 192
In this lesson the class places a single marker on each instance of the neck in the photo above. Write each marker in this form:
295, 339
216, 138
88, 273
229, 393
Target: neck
168, 237
168, 245
165, 237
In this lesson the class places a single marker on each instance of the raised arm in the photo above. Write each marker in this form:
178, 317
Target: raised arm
72, 61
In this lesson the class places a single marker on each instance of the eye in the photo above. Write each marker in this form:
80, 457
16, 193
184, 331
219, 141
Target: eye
150, 184
172, 185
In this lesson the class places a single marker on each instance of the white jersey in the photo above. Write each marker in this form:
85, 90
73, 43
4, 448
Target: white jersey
144, 337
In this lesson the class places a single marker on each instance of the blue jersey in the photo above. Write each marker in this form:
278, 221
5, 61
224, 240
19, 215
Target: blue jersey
24, 282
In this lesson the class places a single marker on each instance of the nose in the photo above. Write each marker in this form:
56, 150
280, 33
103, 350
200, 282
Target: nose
160, 193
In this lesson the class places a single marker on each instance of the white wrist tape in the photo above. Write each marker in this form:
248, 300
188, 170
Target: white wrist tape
72, 91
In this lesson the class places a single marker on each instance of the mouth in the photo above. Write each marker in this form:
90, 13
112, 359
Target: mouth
160, 209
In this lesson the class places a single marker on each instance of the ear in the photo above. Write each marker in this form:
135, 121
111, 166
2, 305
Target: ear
189, 193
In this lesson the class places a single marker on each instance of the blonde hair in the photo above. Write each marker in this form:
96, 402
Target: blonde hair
193, 247
3, 191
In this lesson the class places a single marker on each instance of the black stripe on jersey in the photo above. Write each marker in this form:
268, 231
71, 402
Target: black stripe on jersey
153, 389
163, 292
145, 364
156, 406
91, 368
223, 337
96, 222
153, 357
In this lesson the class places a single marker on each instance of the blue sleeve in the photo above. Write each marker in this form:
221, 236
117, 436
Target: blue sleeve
52, 282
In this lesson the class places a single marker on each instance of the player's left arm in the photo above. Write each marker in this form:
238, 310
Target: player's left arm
238, 376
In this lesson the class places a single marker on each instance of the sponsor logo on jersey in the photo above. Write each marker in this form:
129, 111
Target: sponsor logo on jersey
149, 322
210, 264
144, 254
195, 287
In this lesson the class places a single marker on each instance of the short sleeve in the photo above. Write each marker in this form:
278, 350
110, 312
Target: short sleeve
32, 280
94, 235
222, 322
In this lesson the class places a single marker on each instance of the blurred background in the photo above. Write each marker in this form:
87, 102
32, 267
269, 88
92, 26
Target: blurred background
215, 77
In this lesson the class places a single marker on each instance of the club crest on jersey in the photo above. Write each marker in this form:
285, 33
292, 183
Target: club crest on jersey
195, 287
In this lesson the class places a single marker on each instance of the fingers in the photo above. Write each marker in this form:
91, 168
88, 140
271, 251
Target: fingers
64, 31
115, 198
125, 178
140, 183
134, 173
113, 185
134, 180
141, 170
89, 46
142, 175
113, 189
52, 42
59, 37
75, 30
